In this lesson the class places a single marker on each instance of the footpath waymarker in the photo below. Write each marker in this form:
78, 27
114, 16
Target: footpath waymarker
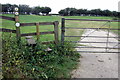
17, 24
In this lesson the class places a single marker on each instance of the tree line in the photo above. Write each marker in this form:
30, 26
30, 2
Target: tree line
37, 10
85, 12
25, 9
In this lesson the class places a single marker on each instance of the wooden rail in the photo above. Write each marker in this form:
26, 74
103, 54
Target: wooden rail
7, 18
7, 30
33, 24
41, 33
55, 32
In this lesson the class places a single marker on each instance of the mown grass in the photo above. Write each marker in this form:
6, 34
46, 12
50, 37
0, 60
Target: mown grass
70, 32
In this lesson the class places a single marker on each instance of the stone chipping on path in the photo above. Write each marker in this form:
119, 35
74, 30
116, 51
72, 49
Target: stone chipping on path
97, 65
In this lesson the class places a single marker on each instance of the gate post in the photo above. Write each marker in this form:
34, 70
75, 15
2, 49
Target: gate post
17, 24
62, 30
56, 32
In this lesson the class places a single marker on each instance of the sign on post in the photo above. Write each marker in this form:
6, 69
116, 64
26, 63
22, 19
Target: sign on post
17, 24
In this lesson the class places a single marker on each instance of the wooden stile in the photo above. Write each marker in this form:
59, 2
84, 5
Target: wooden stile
28, 35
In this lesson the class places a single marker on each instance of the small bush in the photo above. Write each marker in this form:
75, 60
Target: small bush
21, 61
115, 18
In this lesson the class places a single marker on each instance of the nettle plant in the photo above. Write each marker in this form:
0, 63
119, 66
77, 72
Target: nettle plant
21, 61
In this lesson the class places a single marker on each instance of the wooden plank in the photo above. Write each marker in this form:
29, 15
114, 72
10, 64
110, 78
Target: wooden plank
27, 24
7, 30
63, 30
46, 23
33, 24
41, 33
7, 18
56, 31
94, 20
37, 31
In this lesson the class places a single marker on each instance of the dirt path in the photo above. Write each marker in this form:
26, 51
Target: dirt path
97, 65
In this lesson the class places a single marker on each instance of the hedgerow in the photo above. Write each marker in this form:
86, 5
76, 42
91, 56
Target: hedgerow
22, 61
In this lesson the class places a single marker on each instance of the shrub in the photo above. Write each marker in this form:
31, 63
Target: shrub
21, 61
115, 18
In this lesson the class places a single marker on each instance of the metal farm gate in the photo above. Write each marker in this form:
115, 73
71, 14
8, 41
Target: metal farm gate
103, 43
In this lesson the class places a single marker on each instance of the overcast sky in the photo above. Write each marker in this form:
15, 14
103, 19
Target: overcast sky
57, 5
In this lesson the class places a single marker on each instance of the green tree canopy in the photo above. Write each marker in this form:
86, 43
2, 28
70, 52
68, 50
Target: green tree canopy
45, 10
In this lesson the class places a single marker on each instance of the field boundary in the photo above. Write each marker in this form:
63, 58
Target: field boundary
18, 25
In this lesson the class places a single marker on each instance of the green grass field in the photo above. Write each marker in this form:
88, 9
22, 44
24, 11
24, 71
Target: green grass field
36, 62
34, 18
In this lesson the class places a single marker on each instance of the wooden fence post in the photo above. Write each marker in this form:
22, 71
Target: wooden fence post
62, 30
37, 31
17, 24
56, 34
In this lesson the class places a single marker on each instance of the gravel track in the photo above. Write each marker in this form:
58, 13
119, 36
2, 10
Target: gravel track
97, 65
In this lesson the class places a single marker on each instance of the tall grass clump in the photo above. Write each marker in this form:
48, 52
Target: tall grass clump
21, 61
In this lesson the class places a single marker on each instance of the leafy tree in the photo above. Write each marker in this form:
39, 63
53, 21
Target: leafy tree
72, 11
85, 12
45, 10
13, 7
36, 10
61, 12
114, 13
24, 9
107, 13
118, 15
68, 12
6, 8
80, 12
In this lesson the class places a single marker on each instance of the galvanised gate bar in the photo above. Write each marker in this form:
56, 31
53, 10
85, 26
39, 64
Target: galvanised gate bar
106, 48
